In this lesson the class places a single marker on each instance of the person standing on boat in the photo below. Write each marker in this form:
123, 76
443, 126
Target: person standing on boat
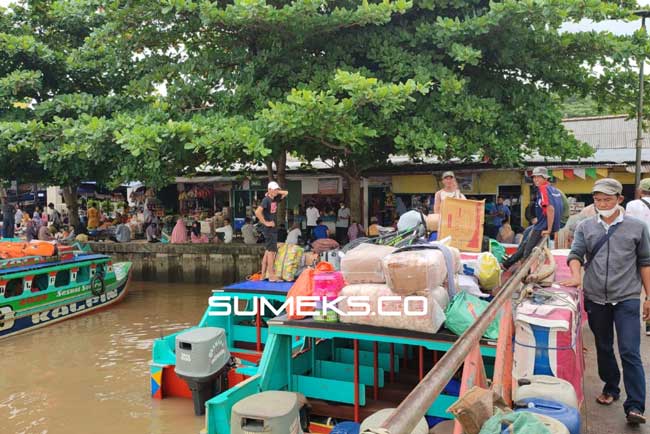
548, 214
614, 250
266, 214
450, 189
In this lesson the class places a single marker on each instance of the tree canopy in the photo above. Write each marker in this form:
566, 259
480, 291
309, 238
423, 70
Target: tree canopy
165, 86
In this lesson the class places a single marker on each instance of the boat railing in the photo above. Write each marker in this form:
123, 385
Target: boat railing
466, 352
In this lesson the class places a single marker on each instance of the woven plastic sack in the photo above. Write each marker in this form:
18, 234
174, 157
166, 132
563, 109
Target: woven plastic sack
498, 250
488, 271
515, 423
463, 310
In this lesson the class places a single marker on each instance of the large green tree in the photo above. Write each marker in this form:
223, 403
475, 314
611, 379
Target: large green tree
497, 71
55, 106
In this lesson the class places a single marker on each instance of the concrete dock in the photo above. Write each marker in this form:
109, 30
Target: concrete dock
601, 419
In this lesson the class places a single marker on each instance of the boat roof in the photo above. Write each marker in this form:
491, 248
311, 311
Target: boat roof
257, 287
50, 262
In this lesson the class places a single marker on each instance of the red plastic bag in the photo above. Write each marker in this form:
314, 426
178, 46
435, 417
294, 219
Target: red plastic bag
304, 287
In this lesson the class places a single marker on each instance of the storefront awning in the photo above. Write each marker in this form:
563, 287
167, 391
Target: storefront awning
645, 168
203, 179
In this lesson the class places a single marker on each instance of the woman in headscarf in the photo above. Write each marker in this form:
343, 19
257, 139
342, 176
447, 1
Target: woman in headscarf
196, 235
179, 233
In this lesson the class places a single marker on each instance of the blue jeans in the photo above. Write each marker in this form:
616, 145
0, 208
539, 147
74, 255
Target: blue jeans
626, 318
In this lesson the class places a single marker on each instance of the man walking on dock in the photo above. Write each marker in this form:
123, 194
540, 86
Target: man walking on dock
266, 213
614, 250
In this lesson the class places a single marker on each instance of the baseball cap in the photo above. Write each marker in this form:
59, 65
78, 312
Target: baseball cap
541, 171
608, 186
274, 185
448, 174
645, 184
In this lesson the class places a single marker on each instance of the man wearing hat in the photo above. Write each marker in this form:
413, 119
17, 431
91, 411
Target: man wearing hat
614, 250
548, 214
640, 209
266, 213
450, 189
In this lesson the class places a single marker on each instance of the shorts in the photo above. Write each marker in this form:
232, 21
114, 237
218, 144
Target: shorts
270, 239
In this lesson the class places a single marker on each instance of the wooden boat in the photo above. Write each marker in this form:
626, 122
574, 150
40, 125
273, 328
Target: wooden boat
55, 284
351, 371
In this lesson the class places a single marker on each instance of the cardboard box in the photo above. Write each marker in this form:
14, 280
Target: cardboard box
463, 221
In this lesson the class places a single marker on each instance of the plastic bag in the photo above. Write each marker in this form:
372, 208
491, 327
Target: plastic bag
498, 250
488, 271
519, 423
463, 310
304, 287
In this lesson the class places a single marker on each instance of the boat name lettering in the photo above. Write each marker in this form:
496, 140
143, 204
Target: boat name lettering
358, 305
61, 311
70, 291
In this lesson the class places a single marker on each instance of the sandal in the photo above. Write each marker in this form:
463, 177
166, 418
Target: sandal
634, 417
606, 399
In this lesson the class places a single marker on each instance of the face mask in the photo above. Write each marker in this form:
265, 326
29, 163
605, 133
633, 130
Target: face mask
607, 212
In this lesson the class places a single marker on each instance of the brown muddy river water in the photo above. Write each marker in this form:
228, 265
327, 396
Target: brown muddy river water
91, 374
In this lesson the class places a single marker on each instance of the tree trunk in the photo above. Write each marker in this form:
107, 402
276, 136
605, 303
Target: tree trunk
269, 170
70, 199
281, 177
356, 205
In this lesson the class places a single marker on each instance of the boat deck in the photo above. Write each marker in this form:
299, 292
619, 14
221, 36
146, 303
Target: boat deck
441, 341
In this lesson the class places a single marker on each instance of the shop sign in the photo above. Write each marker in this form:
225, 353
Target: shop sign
328, 186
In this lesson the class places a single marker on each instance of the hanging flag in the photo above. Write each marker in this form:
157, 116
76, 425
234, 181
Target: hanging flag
602, 172
591, 172
568, 174
558, 173
580, 173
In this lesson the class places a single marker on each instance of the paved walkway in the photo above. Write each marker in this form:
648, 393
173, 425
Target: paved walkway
609, 420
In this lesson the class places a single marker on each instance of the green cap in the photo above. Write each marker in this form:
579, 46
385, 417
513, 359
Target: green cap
644, 185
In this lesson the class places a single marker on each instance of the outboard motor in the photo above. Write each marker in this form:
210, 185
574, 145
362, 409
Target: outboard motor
272, 412
203, 361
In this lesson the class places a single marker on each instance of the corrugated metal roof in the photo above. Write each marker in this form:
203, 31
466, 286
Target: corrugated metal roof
606, 132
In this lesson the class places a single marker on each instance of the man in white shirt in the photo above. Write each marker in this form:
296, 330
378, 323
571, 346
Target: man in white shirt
248, 232
640, 208
226, 230
342, 223
312, 214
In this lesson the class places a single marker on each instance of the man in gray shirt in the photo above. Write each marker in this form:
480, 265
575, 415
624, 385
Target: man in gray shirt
614, 250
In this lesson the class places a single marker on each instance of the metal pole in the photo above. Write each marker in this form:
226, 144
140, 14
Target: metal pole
406, 416
639, 117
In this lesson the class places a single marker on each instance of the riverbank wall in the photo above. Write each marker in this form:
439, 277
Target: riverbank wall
189, 263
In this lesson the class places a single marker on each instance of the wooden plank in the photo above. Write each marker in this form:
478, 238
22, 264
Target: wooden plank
331, 390
345, 372
346, 355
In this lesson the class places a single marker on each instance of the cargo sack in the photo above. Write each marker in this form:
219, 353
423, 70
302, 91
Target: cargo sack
363, 263
418, 268
488, 271
393, 309
287, 261
475, 407
463, 310
323, 245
